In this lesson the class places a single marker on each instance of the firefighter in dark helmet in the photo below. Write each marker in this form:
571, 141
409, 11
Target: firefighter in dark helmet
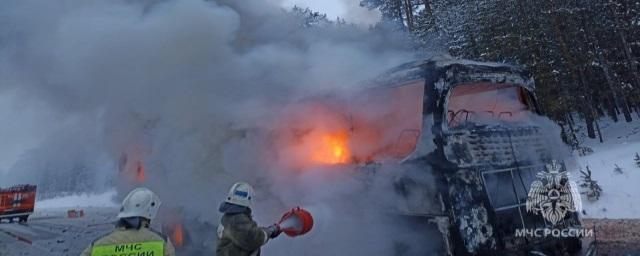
132, 235
238, 234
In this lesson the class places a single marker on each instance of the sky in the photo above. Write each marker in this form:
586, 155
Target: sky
349, 10
332, 8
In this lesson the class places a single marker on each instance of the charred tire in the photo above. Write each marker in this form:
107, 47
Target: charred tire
460, 196
23, 219
473, 233
573, 246
566, 246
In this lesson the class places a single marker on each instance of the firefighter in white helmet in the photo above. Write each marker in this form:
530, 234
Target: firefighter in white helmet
132, 235
238, 234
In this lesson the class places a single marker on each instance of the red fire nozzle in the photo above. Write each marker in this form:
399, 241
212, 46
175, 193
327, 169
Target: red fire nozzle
296, 222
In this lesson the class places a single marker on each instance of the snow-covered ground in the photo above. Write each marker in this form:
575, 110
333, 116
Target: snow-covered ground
621, 191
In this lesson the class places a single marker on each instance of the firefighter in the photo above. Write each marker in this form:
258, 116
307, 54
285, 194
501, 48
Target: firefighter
132, 235
238, 234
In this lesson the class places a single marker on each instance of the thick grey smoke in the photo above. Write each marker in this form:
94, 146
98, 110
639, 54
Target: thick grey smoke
190, 90
355, 12
15, 134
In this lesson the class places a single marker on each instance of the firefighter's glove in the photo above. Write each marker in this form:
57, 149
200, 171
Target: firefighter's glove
274, 231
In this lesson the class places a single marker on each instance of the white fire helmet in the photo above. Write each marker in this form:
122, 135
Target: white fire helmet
241, 194
141, 202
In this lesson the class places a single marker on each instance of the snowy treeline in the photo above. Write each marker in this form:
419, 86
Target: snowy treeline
584, 54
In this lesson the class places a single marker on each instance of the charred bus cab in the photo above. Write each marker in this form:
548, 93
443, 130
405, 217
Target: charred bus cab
482, 139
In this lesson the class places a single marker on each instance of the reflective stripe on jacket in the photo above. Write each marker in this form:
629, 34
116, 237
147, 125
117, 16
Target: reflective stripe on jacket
126, 237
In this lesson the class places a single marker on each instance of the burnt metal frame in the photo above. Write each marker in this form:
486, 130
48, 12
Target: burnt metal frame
531, 102
519, 203
439, 81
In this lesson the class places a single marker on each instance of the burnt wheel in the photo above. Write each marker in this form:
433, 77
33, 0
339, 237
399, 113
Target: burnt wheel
23, 219
573, 246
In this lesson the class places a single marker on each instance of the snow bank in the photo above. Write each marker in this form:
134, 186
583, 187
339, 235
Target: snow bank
621, 191
81, 200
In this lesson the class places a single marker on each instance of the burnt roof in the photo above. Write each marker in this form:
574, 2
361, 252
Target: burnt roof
456, 71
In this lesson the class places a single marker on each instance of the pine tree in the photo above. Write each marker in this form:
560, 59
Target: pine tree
583, 54
393, 11
593, 190
309, 18
637, 159
617, 169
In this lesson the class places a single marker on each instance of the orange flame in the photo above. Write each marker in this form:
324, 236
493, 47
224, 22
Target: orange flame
372, 126
178, 235
331, 148
140, 173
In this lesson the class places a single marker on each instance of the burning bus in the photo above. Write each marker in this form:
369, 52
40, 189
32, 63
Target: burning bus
487, 143
473, 128
466, 139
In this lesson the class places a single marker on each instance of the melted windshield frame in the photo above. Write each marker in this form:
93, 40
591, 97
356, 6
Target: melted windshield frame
524, 96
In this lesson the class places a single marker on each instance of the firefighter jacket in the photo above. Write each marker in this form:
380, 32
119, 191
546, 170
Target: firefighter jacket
131, 241
238, 234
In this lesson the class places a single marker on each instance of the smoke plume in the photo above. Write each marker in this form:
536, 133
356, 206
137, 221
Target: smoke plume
187, 93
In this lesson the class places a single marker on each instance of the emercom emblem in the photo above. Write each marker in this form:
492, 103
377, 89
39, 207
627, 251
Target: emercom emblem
553, 195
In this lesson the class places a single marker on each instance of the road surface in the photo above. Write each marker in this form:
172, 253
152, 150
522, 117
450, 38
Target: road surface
616, 236
52, 233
